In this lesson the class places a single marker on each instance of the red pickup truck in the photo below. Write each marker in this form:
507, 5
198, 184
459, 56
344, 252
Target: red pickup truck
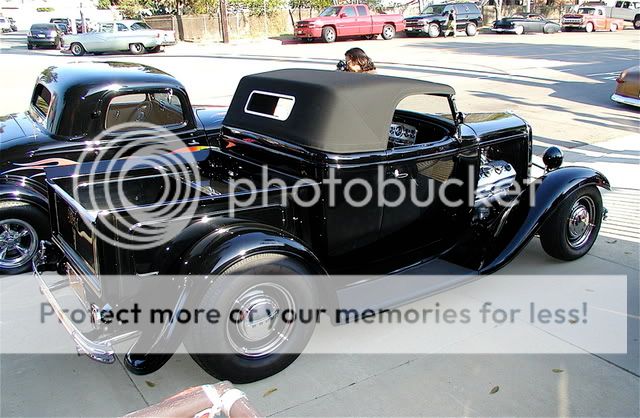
349, 20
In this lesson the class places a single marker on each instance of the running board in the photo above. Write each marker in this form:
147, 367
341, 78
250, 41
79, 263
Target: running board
408, 285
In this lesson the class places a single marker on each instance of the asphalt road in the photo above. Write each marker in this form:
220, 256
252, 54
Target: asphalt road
560, 83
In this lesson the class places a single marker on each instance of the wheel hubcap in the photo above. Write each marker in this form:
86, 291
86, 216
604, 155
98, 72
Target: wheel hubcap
580, 223
433, 31
388, 32
262, 320
18, 242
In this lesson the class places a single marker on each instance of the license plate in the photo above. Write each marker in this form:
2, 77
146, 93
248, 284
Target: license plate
40, 35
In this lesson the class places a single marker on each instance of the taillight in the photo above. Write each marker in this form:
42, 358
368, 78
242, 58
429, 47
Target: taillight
619, 79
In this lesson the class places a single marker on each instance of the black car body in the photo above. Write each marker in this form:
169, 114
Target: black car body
44, 34
433, 19
520, 24
67, 116
286, 125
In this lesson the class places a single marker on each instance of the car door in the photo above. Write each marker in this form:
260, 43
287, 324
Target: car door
364, 21
98, 41
462, 18
600, 20
424, 169
348, 22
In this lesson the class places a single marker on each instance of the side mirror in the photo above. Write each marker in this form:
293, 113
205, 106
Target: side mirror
343, 15
459, 118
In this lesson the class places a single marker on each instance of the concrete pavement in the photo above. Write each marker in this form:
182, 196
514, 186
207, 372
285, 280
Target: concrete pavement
560, 83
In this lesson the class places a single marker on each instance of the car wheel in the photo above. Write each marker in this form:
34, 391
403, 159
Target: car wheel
589, 27
572, 230
155, 49
471, 29
434, 30
77, 49
613, 27
136, 49
636, 23
388, 32
21, 228
260, 343
519, 30
328, 34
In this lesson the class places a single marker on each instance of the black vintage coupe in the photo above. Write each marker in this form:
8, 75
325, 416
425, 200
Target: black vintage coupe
282, 127
70, 109
530, 23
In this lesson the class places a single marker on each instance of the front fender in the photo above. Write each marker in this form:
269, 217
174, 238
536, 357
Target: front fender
534, 206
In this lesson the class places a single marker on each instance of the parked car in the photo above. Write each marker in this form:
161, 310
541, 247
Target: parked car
628, 87
591, 18
114, 37
5, 25
530, 23
44, 34
88, 24
627, 10
69, 108
61, 20
64, 28
167, 37
12, 25
432, 21
349, 20
283, 127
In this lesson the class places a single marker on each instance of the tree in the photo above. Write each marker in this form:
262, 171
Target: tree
104, 4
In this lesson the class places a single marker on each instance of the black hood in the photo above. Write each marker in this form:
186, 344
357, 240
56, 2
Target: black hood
429, 17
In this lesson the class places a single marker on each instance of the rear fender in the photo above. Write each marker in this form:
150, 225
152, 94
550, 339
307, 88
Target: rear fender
219, 244
22, 190
523, 220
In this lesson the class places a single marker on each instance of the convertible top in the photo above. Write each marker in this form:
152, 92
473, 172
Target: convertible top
334, 111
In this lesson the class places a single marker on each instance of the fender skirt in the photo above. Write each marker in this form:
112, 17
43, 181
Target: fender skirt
219, 243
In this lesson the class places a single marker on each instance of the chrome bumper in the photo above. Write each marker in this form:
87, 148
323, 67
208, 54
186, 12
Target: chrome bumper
101, 351
631, 101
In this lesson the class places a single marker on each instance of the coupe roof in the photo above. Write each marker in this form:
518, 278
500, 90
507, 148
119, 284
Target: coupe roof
332, 111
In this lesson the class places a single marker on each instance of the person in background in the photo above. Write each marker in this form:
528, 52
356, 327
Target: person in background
451, 23
357, 61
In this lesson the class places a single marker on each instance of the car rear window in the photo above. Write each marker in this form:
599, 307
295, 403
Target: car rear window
269, 105
161, 108
41, 99
44, 27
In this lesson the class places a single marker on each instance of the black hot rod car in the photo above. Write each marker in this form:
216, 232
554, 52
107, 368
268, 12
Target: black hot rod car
72, 112
314, 124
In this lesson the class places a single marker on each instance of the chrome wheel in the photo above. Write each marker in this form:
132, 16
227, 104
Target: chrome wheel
580, 224
388, 32
433, 31
18, 243
261, 320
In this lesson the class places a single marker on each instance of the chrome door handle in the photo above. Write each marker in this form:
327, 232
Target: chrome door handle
397, 174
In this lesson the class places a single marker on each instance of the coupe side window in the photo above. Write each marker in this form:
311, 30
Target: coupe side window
362, 11
122, 28
349, 11
42, 99
163, 109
